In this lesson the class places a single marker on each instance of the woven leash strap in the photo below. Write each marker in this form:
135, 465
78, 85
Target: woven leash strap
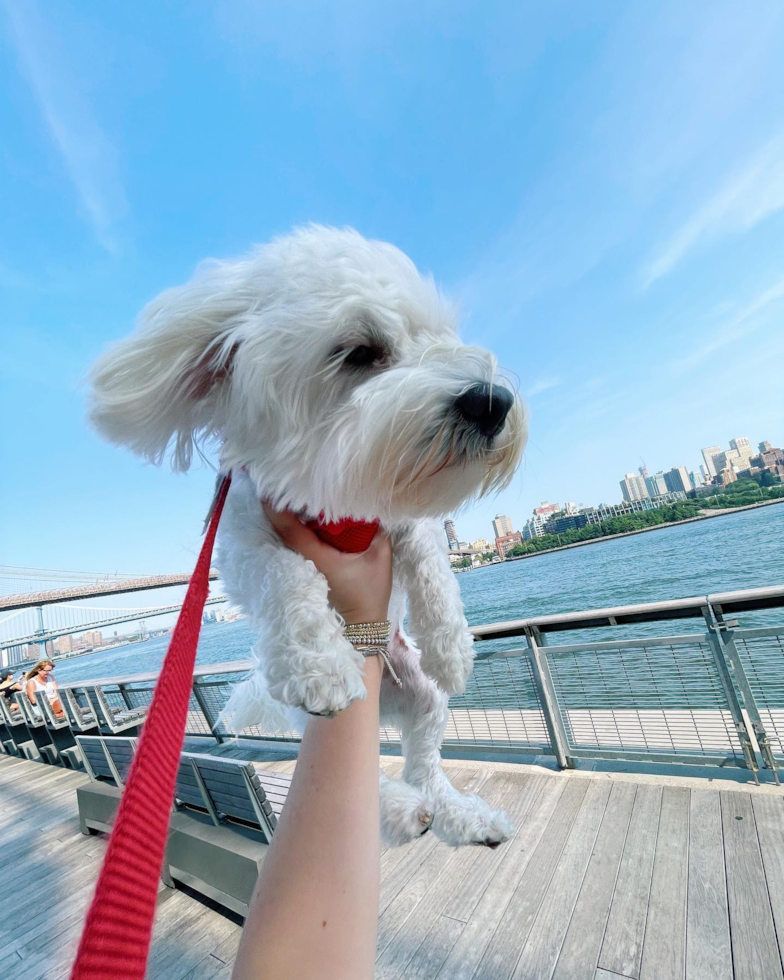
116, 937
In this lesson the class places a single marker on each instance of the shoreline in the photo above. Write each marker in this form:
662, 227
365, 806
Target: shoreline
722, 512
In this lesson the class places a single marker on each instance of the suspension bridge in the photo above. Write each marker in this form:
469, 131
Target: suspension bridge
41, 605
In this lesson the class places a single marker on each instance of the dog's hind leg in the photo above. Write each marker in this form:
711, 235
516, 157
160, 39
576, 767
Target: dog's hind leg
421, 710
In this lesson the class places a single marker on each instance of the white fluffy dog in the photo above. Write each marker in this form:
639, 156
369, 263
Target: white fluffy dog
331, 372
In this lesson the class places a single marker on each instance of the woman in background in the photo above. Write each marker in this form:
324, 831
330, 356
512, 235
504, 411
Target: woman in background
40, 681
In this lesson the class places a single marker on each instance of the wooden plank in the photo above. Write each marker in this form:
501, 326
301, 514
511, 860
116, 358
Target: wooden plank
393, 913
540, 952
708, 949
479, 865
474, 939
189, 935
769, 817
430, 956
504, 948
580, 951
755, 952
664, 947
606, 975
406, 924
621, 950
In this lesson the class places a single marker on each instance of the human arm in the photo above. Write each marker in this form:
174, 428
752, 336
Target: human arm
30, 691
315, 909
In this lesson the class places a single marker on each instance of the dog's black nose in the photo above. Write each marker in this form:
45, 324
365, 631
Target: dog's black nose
486, 407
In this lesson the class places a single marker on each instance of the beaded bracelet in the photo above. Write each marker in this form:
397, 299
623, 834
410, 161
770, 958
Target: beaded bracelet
370, 639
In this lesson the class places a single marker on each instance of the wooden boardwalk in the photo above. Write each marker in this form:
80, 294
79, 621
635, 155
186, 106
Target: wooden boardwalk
608, 877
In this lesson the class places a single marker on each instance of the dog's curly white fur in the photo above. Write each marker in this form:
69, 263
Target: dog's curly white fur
331, 372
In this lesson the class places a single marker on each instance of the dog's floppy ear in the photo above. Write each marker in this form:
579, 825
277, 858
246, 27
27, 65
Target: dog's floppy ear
166, 383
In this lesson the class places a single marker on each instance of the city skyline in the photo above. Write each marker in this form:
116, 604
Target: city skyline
600, 193
668, 485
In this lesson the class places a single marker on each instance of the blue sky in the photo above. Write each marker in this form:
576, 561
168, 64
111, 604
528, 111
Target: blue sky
601, 185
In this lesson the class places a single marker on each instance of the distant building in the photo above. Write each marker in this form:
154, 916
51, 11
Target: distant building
481, 544
505, 542
742, 445
65, 644
726, 460
723, 477
502, 525
560, 525
451, 533
605, 511
633, 487
677, 480
765, 447
695, 478
707, 455
50, 651
656, 485
571, 508
770, 460
534, 527
546, 509
643, 471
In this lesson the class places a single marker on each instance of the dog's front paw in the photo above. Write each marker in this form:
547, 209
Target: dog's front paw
405, 813
325, 693
469, 820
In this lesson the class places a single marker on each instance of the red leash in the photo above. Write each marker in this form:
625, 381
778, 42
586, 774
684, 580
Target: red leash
116, 937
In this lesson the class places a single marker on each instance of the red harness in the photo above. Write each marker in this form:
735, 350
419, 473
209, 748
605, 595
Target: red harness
116, 937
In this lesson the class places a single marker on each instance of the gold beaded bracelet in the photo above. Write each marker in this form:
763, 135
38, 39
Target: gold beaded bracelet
370, 639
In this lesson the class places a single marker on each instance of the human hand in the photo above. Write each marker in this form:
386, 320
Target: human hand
360, 584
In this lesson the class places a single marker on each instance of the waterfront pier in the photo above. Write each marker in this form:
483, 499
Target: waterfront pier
639, 762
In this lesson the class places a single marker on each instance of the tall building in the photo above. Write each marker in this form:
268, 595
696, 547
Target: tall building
643, 471
727, 460
451, 533
656, 485
742, 447
502, 525
633, 487
765, 446
534, 527
695, 478
546, 509
742, 444
707, 455
64, 644
677, 479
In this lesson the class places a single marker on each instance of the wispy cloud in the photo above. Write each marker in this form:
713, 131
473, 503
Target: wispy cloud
541, 385
749, 197
743, 323
89, 157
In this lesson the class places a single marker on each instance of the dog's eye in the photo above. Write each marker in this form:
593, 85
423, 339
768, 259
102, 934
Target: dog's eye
364, 355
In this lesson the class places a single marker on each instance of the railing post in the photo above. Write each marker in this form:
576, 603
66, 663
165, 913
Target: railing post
206, 711
733, 703
123, 692
546, 690
724, 639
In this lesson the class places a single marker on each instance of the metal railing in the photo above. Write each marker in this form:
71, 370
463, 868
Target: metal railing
713, 695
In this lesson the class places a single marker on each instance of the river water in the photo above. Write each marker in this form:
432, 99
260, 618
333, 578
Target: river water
737, 551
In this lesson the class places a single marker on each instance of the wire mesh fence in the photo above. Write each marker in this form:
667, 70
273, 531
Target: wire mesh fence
661, 698
761, 653
681, 698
